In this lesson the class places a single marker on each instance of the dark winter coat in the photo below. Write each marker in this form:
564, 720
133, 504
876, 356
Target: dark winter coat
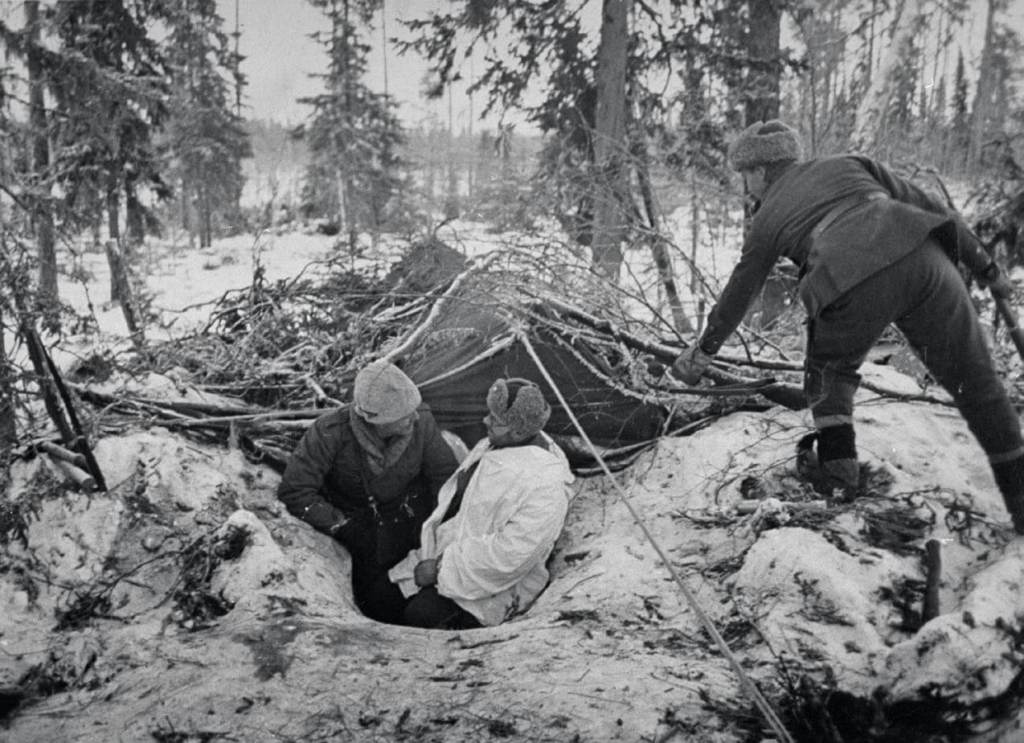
840, 220
327, 481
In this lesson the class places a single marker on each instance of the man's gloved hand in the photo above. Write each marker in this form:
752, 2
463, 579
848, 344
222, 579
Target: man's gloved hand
425, 572
691, 364
995, 281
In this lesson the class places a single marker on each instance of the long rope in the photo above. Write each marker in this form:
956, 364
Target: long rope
746, 683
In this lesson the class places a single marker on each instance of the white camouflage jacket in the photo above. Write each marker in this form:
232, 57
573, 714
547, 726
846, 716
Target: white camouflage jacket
495, 547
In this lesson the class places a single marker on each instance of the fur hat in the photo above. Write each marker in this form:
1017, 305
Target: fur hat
520, 405
384, 394
763, 143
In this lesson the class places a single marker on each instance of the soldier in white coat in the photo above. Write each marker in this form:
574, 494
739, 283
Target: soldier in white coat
484, 548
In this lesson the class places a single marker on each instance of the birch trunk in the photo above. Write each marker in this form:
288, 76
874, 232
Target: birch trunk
872, 114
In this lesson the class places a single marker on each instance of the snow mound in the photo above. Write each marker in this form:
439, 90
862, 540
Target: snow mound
186, 604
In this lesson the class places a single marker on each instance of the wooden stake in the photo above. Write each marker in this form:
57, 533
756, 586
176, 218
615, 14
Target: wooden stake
933, 575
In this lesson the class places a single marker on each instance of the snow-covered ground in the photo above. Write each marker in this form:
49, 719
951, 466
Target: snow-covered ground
103, 595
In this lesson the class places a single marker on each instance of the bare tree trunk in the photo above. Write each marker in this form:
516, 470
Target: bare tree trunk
611, 186
8, 426
205, 218
695, 288
659, 250
981, 111
114, 256
452, 207
763, 48
869, 69
41, 216
186, 213
120, 282
135, 222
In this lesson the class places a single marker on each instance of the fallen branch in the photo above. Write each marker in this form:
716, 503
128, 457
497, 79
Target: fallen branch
319, 396
751, 505
413, 337
66, 455
786, 395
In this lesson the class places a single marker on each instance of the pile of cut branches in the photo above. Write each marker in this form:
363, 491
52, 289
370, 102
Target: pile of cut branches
273, 356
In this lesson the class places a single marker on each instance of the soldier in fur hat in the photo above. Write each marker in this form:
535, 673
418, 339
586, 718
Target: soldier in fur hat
872, 249
483, 550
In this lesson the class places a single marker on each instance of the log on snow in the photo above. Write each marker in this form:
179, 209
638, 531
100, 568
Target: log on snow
81, 478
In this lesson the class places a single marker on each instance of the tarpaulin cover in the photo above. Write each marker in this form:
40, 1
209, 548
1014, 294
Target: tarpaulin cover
471, 345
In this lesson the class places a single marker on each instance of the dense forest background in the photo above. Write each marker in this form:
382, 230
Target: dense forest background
123, 122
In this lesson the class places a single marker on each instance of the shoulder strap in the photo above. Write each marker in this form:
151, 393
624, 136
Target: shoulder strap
460, 489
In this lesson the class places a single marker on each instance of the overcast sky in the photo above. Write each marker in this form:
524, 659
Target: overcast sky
280, 56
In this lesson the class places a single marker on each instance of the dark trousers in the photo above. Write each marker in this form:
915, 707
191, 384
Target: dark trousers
431, 610
376, 596
376, 544
924, 295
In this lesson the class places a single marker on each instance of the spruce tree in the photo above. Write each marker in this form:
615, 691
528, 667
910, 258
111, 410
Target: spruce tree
204, 142
355, 173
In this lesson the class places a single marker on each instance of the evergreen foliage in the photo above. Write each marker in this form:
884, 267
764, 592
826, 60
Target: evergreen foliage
109, 82
204, 141
355, 175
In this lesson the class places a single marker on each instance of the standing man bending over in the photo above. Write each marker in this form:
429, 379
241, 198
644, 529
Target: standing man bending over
484, 547
872, 250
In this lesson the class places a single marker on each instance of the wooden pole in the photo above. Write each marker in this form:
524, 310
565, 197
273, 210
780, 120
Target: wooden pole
80, 441
933, 576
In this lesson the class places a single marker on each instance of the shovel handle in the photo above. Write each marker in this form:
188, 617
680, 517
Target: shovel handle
1010, 318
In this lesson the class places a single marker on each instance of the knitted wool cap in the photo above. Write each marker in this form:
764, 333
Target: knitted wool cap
528, 412
383, 393
763, 143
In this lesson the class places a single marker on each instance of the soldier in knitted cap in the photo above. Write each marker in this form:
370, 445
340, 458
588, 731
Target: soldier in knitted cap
872, 249
483, 550
368, 475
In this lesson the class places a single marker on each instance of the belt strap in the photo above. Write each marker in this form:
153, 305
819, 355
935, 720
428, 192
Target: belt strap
842, 208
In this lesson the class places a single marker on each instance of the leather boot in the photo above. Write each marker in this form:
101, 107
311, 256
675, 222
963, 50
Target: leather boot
837, 457
1010, 479
837, 478
842, 478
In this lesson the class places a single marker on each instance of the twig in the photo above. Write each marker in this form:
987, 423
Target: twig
435, 310
320, 396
